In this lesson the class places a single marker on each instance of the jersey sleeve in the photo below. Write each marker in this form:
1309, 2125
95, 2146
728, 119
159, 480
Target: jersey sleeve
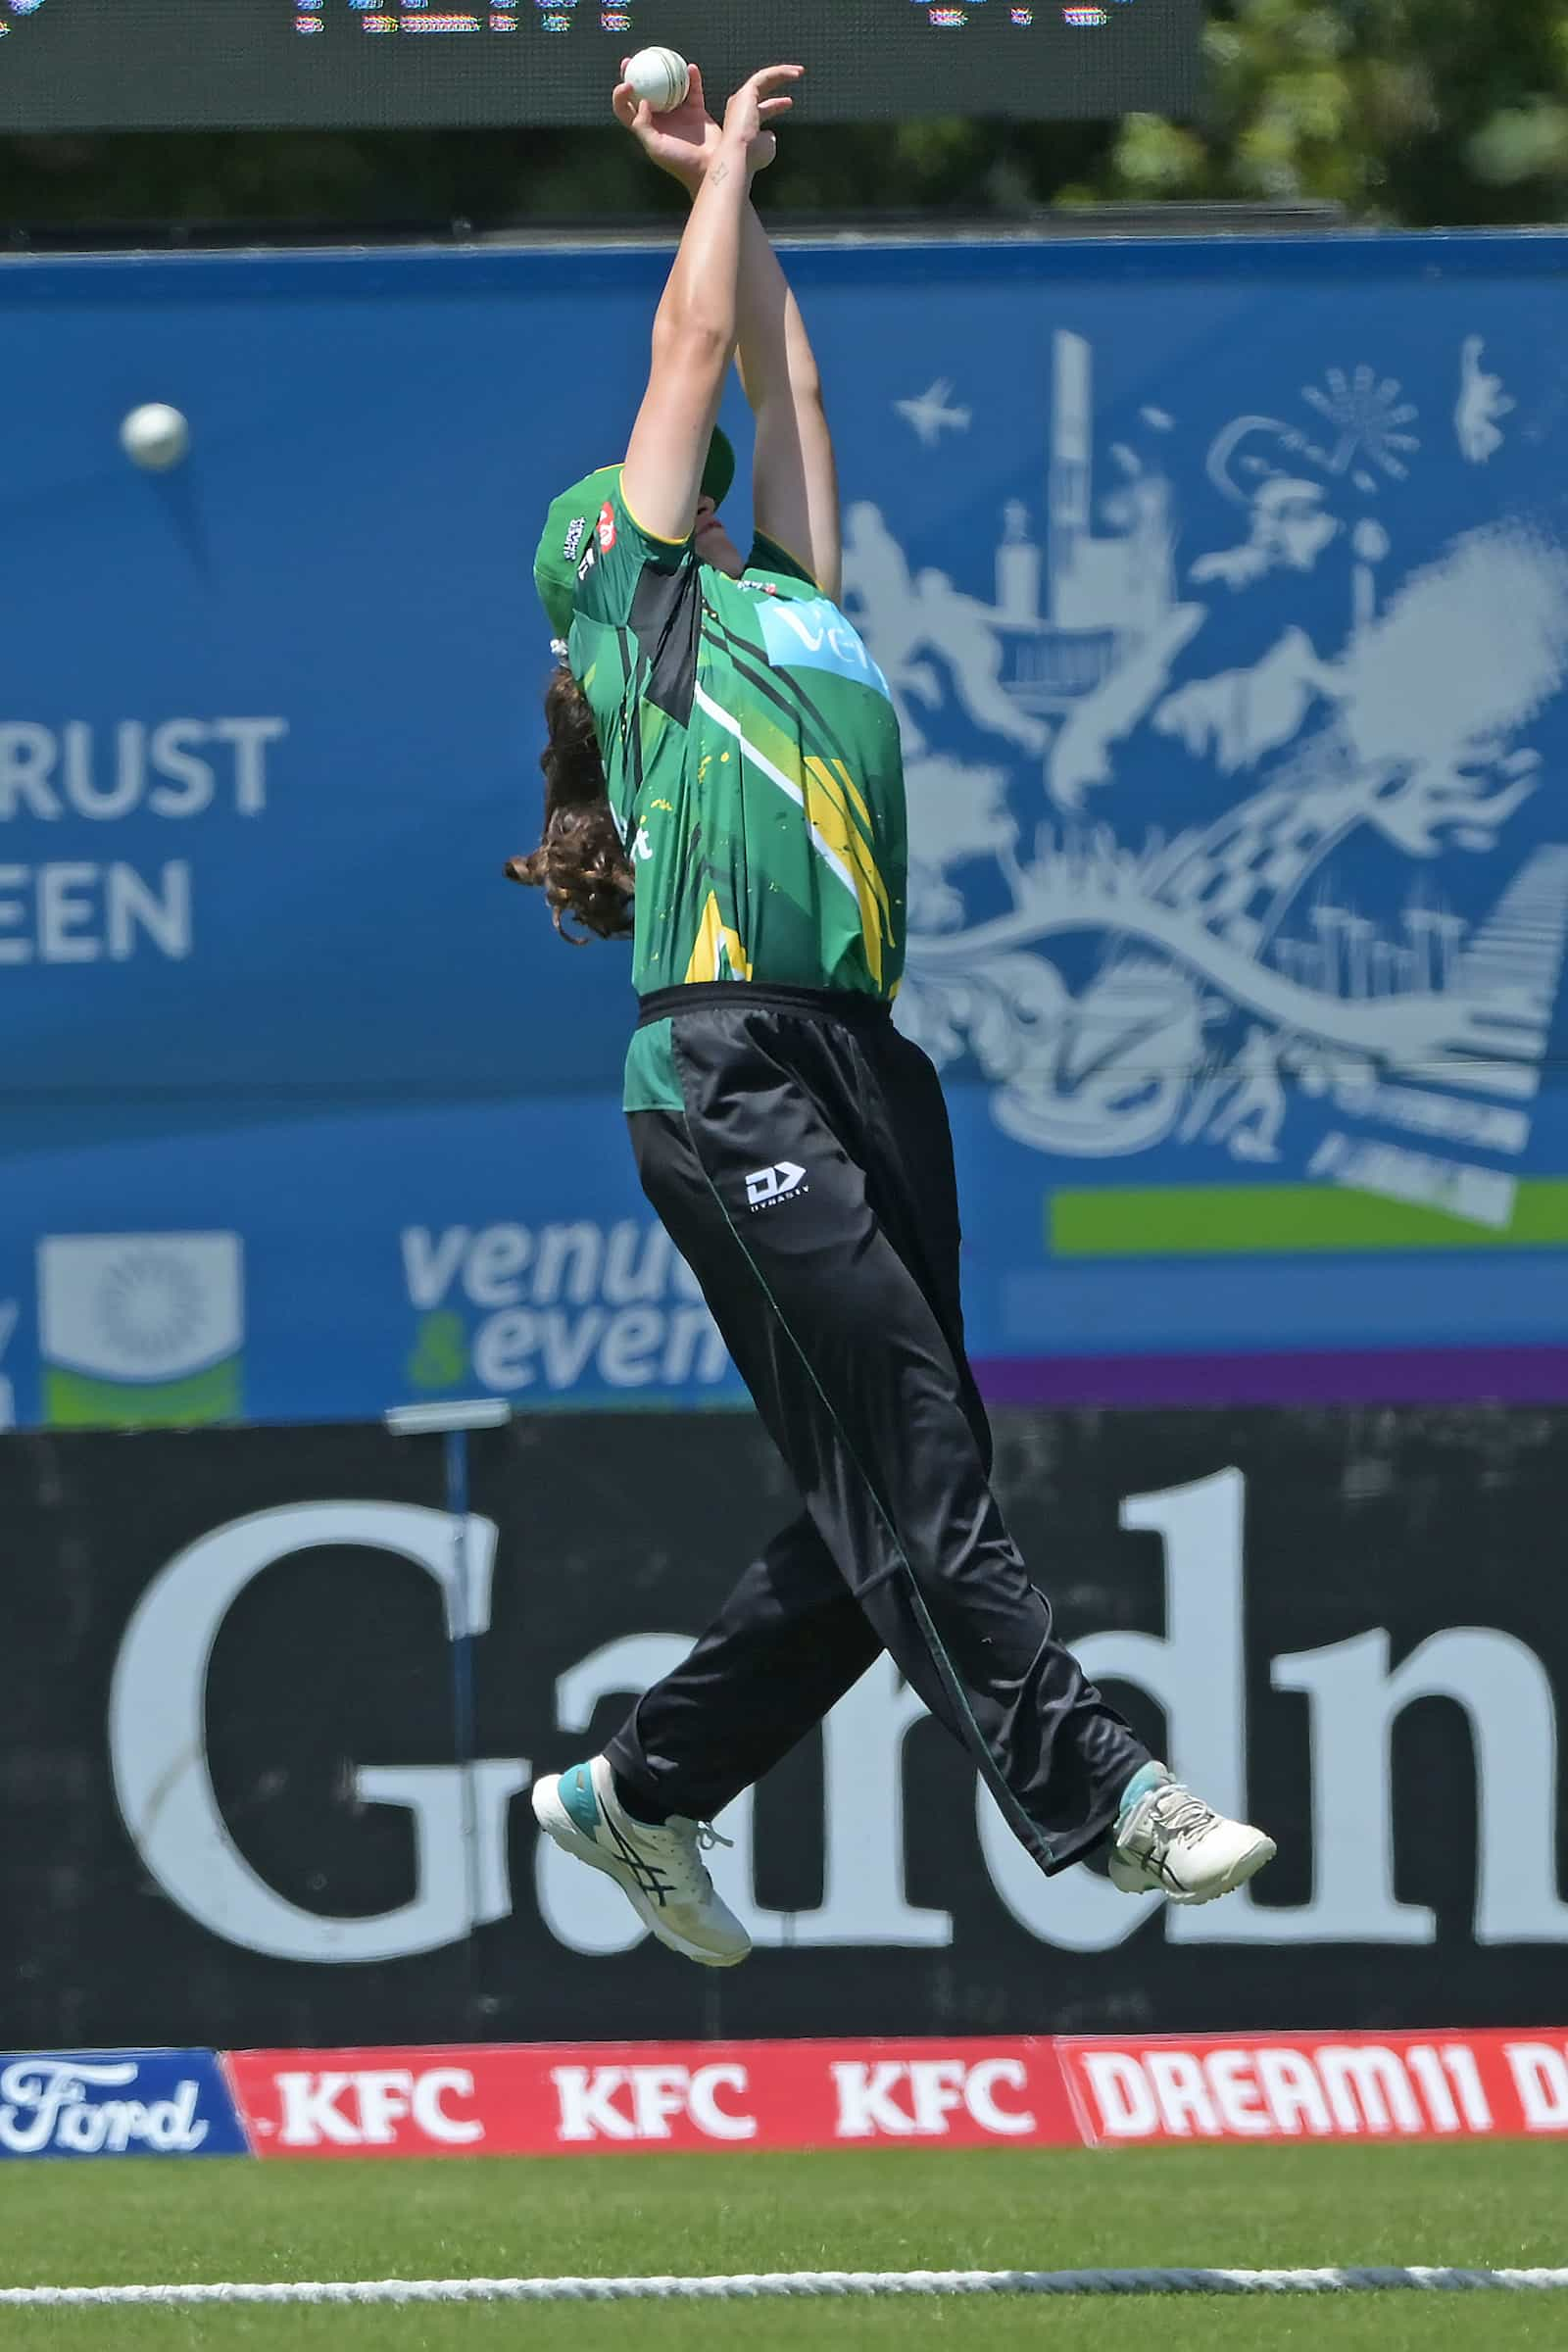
619, 553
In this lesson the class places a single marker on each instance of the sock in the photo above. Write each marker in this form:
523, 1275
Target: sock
645, 1809
1151, 1776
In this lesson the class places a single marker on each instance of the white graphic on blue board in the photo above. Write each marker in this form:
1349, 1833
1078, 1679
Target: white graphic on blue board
932, 412
1482, 405
1298, 970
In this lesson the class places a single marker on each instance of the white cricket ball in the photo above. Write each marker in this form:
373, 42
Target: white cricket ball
660, 77
155, 435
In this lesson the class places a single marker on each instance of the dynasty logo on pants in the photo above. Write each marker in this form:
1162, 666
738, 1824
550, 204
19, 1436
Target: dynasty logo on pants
766, 1187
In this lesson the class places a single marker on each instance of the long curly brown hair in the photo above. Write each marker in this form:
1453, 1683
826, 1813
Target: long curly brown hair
580, 865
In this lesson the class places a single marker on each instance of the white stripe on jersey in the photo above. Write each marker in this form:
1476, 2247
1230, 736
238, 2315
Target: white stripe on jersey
775, 775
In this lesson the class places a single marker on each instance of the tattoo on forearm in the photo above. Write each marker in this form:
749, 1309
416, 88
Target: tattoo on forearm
719, 174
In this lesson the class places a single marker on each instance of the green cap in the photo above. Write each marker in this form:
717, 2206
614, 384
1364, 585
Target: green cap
569, 527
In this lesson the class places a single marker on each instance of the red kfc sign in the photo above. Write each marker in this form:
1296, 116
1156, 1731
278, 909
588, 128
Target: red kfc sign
546, 2099
542, 2099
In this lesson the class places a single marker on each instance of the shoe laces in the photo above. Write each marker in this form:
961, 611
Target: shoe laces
694, 1838
674, 1866
1163, 1819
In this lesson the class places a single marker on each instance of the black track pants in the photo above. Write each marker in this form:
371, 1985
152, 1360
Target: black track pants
808, 1183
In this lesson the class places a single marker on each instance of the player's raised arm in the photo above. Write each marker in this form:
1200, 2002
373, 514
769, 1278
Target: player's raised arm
795, 491
696, 326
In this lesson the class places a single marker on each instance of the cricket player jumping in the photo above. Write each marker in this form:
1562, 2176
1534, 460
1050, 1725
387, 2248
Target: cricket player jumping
724, 787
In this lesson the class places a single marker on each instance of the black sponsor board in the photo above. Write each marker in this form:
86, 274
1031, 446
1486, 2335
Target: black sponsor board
103, 64
229, 1812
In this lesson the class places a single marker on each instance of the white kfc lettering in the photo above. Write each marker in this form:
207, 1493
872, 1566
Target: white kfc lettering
657, 2094
660, 2095
936, 2091
311, 2112
980, 2096
865, 2100
585, 2093
433, 2118
386, 2098
364, 2109
708, 2115
938, 2087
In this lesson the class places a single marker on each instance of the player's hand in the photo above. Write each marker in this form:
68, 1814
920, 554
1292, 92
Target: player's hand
756, 105
683, 142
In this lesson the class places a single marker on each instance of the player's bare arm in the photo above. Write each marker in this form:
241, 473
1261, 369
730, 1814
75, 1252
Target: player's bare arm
697, 324
794, 490
795, 482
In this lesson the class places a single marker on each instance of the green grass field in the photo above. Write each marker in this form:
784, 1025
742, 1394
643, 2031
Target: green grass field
1481, 2207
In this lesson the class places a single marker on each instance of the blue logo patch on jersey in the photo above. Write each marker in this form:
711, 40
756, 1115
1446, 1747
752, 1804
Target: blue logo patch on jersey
812, 633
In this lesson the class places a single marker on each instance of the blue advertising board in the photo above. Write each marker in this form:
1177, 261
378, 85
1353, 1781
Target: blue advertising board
69, 2103
1222, 589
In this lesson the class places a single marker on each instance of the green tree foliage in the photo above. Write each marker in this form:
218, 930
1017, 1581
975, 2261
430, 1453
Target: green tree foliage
1423, 111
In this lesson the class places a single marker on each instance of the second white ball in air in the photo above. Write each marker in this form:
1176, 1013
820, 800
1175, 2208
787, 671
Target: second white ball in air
155, 436
660, 77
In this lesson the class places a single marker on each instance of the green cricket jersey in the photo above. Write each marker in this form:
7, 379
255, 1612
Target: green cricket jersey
751, 751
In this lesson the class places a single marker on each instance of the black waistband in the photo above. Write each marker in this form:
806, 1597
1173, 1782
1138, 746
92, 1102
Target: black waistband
739, 996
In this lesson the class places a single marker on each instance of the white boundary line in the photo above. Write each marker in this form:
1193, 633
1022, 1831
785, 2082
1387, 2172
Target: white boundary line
748, 2287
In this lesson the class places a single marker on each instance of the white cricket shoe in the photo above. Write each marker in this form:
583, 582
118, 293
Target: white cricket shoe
661, 1869
1167, 1842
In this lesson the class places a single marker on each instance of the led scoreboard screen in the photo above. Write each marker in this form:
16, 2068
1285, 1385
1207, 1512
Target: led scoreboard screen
129, 64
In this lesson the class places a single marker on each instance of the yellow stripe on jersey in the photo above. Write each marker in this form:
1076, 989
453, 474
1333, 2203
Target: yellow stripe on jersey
831, 822
854, 797
719, 954
835, 778
833, 833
